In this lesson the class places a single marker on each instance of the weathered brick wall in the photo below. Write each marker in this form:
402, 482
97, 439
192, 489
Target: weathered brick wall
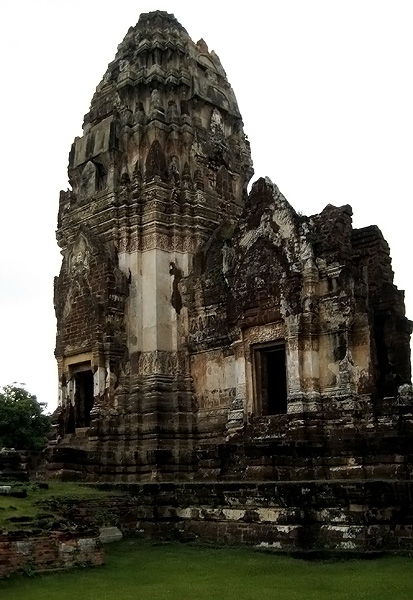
330, 516
47, 552
89, 298
308, 516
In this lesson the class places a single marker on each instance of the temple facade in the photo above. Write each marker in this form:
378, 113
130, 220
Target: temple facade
204, 331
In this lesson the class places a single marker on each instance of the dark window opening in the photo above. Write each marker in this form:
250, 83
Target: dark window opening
101, 177
70, 419
340, 346
78, 409
83, 397
271, 380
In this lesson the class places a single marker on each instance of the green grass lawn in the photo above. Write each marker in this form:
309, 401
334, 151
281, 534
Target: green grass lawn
138, 571
31, 506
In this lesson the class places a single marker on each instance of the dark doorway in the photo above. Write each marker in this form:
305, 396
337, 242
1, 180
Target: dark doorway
83, 397
271, 380
70, 419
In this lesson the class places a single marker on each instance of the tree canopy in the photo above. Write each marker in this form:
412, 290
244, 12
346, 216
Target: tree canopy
23, 425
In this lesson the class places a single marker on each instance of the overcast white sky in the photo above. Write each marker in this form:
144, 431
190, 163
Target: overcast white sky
324, 86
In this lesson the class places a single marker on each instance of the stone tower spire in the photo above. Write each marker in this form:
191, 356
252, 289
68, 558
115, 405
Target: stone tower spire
163, 160
201, 333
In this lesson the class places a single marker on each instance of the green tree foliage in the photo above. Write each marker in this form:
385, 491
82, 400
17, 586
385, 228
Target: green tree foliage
23, 425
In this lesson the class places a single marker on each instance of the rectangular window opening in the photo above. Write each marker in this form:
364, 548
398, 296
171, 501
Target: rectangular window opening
79, 413
83, 397
271, 379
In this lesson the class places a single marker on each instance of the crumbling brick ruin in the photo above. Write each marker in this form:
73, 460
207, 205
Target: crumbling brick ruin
204, 332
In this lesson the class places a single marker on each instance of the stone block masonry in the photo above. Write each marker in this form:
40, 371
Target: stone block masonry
309, 516
51, 551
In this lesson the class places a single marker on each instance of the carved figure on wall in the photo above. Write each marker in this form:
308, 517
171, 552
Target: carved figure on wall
405, 395
88, 182
79, 258
217, 123
139, 116
174, 169
156, 104
176, 299
172, 112
155, 164
184, 104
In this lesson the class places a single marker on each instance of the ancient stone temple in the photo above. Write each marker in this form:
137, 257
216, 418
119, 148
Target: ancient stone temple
204, 332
